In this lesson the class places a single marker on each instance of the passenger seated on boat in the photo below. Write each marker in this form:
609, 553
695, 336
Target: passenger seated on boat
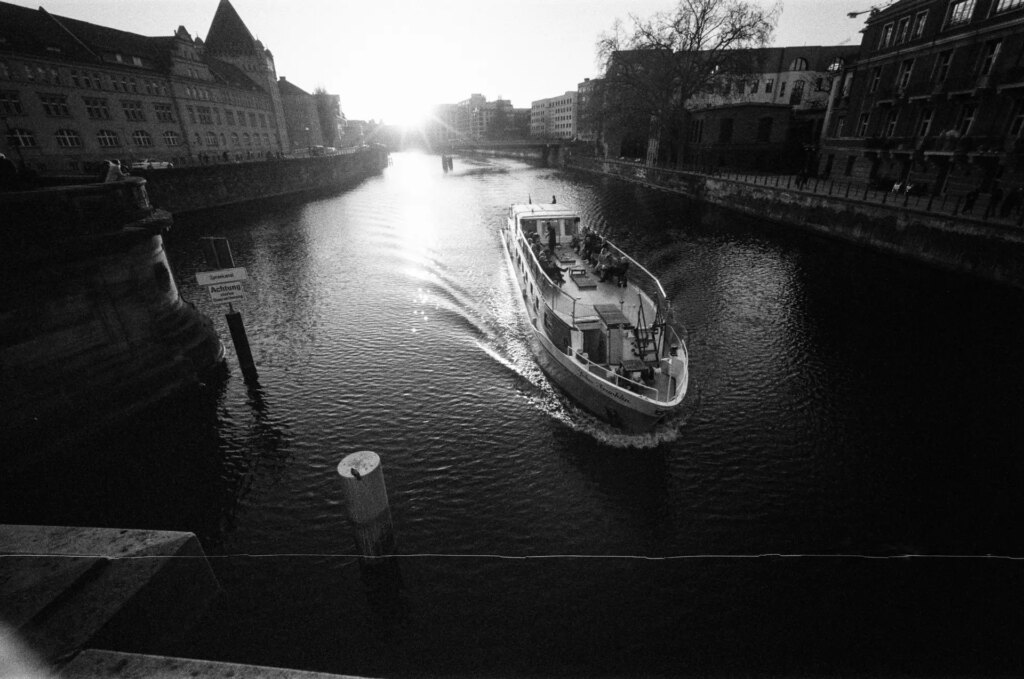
591, 246
617, 272
552, 238
550, 267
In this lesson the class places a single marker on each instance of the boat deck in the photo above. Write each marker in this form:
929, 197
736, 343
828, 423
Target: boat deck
614, 304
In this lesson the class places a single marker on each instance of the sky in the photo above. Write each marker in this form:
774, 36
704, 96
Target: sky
391, 60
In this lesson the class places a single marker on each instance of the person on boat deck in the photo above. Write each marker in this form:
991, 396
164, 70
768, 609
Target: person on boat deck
604, 261
552, 238
550, 267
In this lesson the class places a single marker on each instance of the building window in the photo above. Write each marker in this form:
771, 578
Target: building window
782, 88
847, 85
211, 139
836, 65
241, 118
768, 85
1005, 5
252, 119
890, 124
1017, 120
764, 129
197, 139
796, 95
10, 103
229, 116
96, 108
205, 116
171, 138
141, 138
942, 65
67, 139
20, 138
850, 162
886, 38
725, 131
216, 115
903, 77
133, 110
753, 87
223, 140
965, 119
840, 126
876, 77
924, 122
862, 124
234, 139
902, 30
191, 113
989, 57
960, 12
919, 21
55, 105
164, 112
108, 138
696, 131
246, 140
798, 64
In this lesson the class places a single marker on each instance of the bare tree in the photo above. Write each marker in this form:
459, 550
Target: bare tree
652, 68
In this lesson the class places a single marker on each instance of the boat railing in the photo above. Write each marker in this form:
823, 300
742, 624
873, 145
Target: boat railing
612, 377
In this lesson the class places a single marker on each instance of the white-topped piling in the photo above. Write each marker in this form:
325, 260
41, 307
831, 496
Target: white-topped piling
366, 498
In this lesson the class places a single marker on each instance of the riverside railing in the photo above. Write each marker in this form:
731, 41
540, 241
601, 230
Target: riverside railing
984, 208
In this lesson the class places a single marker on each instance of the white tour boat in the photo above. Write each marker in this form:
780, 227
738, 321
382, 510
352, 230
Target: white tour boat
600, 322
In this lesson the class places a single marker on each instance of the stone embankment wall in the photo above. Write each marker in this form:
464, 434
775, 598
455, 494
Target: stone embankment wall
188, 189
991, 251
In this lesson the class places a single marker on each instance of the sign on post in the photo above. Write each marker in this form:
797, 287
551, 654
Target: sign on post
221, 276
227, 292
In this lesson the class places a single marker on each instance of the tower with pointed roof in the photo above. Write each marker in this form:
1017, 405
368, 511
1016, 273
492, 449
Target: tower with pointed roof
230, 41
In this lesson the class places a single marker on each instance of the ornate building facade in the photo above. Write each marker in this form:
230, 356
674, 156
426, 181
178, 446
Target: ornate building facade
935, 99
72, 92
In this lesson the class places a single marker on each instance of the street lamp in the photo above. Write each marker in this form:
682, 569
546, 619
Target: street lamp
309, 145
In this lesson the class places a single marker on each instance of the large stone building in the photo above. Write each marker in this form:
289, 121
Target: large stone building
770, 116
73, 92
935, 99
554, 117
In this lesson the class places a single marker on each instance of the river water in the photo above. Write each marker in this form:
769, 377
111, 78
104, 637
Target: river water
841, 494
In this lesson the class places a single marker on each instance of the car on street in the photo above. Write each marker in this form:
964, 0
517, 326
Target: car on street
150, 164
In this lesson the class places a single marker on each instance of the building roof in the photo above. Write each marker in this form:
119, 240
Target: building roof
36, 31
228, 32
229, 74
289, 90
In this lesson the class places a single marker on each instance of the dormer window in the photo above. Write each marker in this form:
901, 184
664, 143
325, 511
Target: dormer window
960, 12
137, 61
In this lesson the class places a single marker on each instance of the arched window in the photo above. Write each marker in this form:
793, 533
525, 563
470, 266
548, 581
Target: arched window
142, 138
246, 139
171, 138
211, 139
108, 138
21, 138
67, 139
798, 64
836, 65
234, 139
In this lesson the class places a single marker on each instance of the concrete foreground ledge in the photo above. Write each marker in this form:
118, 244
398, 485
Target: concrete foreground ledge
93, 664
63, 589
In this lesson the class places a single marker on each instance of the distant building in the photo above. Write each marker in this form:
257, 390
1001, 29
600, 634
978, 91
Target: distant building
301, 117
935, 99
555, 117
771, 114
72, 92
